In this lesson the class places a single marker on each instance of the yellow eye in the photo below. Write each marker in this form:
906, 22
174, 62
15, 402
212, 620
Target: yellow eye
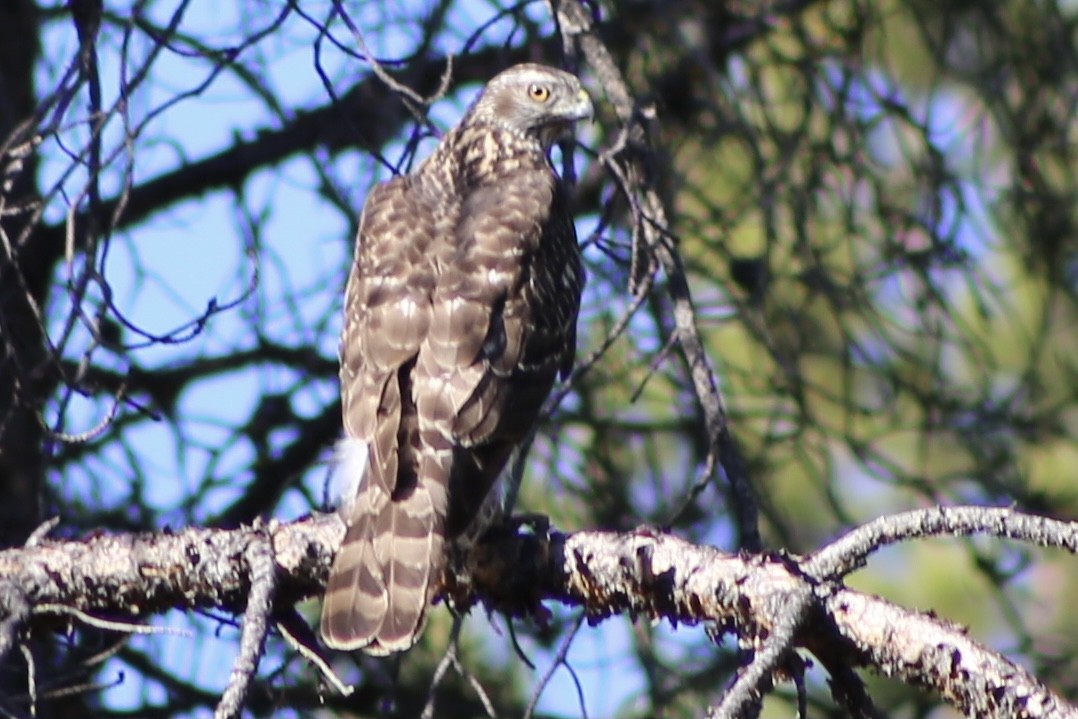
539, 93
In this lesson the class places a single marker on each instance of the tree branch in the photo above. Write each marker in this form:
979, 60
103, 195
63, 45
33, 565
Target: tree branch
632, 162
642, 573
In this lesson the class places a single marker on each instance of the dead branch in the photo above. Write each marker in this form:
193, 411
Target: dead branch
649, 575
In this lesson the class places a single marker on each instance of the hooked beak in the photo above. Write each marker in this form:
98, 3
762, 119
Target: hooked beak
583, 109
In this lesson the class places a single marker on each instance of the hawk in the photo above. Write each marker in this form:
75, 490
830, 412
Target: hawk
460, 311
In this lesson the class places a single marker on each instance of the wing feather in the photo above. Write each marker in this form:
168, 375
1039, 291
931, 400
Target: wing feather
372, 600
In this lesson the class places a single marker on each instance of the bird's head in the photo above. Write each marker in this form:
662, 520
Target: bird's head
533, 100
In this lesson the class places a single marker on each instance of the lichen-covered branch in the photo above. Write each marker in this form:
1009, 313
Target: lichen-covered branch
646, 574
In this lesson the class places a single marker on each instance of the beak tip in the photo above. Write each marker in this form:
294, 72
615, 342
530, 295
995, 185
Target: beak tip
588, 107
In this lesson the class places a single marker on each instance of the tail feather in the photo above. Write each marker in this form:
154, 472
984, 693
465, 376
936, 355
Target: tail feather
409, 548
390, 562
356, 599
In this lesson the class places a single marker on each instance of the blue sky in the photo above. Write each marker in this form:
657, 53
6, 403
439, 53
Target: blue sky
164, 273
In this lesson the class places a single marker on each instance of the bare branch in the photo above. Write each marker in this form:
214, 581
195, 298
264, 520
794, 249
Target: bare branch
631, 165
260, 564
642, 573
851, 551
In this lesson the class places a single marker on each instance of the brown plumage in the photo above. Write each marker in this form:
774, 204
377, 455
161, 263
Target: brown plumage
460, 311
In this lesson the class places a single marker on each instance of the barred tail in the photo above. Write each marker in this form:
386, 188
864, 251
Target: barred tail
390, 562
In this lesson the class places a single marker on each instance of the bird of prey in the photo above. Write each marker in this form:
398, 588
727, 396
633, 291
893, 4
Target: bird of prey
460, 311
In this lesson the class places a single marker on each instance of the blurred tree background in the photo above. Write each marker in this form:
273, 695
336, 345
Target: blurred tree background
877, 210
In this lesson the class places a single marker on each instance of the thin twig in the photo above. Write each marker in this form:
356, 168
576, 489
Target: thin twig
261, 565
406, 93
31, 678
111, 625
295, 631
443, 666
559, 660
41, 532
452, 659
